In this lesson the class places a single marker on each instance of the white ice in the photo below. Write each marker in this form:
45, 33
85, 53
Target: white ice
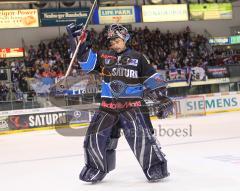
206, 160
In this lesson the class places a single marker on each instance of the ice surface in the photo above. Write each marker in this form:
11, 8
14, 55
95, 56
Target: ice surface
204, 158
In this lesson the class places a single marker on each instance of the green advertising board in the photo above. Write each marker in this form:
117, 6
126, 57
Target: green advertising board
210, 11
235, 39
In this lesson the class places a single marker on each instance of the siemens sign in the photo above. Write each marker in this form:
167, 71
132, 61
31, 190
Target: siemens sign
214, 103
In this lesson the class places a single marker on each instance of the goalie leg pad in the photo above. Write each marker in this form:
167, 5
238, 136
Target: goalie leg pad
111, 154
144, 145
99, 147
145, 112
89, 174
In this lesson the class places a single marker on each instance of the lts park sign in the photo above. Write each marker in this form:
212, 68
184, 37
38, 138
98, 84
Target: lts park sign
119, 14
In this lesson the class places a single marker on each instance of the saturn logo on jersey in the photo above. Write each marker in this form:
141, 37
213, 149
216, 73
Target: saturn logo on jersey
124, 72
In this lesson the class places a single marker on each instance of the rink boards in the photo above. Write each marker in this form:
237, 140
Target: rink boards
38, 119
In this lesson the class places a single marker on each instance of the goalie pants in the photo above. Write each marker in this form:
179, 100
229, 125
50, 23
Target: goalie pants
101, 141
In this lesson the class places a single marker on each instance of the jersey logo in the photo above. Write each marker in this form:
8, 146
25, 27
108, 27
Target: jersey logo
124, 72
107, 56
107, 61
117, 88
133, 62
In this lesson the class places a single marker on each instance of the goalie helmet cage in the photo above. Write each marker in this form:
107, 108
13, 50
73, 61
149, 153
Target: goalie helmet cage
190, 106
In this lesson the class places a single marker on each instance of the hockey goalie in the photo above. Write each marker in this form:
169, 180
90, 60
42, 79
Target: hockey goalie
127, 77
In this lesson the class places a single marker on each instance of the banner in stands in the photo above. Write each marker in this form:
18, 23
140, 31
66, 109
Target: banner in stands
210, 11
198, 73
219, 41
22, 18
42, 85
217, 72
118, 14
176, 75
11, 52
159, 13
63, 16
225, 40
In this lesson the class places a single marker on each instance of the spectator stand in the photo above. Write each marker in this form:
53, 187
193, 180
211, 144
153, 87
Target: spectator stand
182, 56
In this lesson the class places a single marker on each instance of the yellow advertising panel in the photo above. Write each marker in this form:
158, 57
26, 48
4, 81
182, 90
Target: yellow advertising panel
210, 11
22, 18
160, 13
11, 52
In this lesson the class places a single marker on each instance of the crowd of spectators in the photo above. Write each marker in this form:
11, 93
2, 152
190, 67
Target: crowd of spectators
166, 51
172, 50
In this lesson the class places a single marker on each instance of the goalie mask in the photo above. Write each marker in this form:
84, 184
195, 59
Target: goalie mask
117, 31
